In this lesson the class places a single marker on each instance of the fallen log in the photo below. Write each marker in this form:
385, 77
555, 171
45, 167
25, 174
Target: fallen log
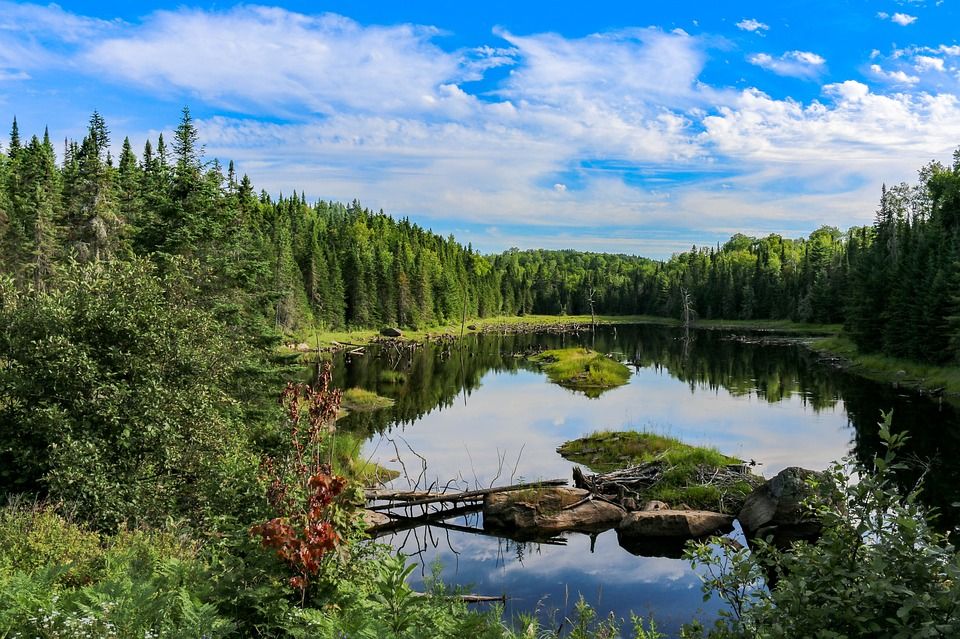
470, 495
398, 495
467, 598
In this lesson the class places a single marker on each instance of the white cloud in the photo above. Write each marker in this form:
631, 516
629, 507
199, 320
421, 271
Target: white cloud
582, 133
752, 25
928, 63
894, 77
903, 19
50, 22
251, 58
797, 64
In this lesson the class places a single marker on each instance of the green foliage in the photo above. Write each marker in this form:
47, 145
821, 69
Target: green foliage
880, 568
112, 396
58, 579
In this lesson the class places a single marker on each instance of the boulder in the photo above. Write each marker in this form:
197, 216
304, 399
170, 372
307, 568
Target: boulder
389, 331
655, 505
776, 509
544, 512
372, 519
471, 327
303, 347
664, 533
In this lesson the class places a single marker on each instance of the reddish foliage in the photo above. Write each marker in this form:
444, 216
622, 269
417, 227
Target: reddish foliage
302, 489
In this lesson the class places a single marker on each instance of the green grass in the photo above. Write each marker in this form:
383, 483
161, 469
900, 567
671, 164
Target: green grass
883, 368
360, 400
393, 377
606, 451
582, 369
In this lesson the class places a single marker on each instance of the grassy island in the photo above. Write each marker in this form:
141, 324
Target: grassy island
359, 400
691, 476
583, 370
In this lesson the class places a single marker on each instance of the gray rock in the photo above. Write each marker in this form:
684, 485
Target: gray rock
776, 509
544, 512
372, 519
391, 332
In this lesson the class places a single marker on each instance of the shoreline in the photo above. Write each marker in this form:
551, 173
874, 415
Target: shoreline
826, 340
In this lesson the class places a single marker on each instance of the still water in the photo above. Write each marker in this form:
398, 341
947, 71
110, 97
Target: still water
483, 415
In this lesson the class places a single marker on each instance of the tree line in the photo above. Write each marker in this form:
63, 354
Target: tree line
291, 265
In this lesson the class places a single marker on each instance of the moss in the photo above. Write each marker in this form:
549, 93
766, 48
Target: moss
360, 400
683, 465
583, 369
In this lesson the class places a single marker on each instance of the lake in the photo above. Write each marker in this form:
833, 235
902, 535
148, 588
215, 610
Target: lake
484, 415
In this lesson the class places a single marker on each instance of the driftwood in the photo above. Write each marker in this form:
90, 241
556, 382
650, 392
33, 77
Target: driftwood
467, 598
470, 495
378, 494
634, 482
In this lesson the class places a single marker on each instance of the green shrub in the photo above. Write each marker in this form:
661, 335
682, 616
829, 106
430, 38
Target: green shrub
112, 396
880, 568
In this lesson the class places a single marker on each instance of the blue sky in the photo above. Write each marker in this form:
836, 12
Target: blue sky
636, 127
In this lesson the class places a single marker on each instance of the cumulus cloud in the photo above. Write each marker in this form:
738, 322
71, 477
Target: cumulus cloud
903, 19
928, 63
797, 64
612, 130
265, 57
752, 25
893, 77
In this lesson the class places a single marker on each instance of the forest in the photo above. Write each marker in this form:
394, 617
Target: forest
142, 301
299, 265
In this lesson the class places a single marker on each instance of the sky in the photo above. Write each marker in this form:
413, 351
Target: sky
632, 127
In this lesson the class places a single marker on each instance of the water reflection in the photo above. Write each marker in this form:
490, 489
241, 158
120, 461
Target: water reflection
487, 415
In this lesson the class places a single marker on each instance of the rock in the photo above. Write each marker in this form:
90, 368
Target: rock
544, 512
471, 327
372, 519
775, 509
391, 332
655, 505
303, 347
664, 533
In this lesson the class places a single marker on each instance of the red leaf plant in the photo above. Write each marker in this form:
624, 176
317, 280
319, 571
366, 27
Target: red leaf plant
302, 489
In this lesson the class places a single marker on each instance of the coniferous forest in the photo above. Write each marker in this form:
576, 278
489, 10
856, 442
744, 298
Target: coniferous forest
288, 264
155, 486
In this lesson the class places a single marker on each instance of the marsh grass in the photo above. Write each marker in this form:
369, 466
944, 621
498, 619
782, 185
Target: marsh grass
582, 369
393, 377
361, 400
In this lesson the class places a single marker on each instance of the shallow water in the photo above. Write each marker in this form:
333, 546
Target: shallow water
485, 416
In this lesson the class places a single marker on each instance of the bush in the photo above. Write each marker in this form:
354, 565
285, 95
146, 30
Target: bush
110, 396
880, 569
